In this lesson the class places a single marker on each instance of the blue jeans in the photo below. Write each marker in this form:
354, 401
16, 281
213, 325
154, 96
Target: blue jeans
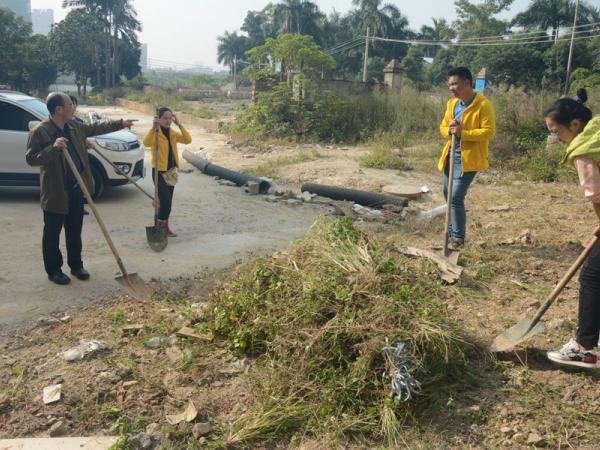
460, 186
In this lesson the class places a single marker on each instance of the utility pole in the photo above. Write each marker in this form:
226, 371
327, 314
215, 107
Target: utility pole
571, 48
366, 63
235, 73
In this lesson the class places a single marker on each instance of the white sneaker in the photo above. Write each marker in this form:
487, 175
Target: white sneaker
573, 355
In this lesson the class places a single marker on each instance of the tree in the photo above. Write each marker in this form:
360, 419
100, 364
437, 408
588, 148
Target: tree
297, 16
477, 20
27, 62
413, 65
40, 65
76, 42
230, 48
554, 14
441, 31
300, 53
381, 20
119, 21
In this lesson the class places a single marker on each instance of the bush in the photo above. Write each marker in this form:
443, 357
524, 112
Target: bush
317, 317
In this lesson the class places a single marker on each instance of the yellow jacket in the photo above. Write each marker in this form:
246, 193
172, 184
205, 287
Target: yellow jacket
478, 128
163, 145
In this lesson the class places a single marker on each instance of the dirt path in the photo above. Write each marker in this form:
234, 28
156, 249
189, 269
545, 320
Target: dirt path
217, 226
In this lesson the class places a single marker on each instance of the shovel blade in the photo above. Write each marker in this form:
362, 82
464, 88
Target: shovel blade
135, 286
515, 335
157, 238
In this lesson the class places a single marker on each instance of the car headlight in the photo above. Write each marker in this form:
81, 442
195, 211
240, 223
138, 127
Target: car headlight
115, 146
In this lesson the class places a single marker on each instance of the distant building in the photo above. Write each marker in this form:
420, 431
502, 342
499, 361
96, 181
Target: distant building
42, 20
21, 8
144, 57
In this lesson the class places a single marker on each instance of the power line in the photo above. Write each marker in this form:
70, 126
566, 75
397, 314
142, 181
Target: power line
473, 44
528, 33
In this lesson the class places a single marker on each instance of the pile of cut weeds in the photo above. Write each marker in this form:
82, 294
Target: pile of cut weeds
316, 317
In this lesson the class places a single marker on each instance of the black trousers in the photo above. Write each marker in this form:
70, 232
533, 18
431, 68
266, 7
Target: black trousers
589, 300
73, 224
165, 196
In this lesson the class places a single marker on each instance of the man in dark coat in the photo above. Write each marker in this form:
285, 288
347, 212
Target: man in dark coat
60, 194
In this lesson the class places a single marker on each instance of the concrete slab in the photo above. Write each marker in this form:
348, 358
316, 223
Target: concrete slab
85, 443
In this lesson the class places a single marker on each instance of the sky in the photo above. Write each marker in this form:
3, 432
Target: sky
185, 31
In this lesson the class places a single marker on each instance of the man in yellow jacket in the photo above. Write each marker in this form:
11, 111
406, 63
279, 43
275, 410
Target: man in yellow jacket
470, 117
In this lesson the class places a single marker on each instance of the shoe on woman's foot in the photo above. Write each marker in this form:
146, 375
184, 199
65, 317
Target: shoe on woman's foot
572, 354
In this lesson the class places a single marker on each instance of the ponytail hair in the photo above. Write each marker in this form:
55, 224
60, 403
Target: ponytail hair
565, 110
162, 110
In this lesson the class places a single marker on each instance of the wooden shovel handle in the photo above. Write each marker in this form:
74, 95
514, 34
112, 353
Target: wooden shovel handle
131, 180
563, 282
452, 154
155, 178
92, 205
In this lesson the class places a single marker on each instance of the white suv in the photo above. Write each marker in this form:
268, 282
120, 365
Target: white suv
18, 110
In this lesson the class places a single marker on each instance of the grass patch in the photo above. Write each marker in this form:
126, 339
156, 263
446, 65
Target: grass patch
381, 157
270, 169
316, 317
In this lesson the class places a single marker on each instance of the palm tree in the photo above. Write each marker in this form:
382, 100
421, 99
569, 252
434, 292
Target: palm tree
119, 19
230, 48
381, 20
297, 16
554, 14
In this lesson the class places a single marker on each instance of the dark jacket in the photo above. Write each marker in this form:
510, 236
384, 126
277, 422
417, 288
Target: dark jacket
53, 166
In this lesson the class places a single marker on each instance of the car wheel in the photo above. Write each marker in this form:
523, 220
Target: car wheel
98, 182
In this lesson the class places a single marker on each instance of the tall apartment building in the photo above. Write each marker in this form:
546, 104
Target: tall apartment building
19, 7
42, 20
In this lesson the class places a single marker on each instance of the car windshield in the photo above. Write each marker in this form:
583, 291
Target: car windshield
35, 105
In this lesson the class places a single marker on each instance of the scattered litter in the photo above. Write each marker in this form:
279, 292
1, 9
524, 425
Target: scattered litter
368, 213
58, 429
491, 226
132, 330
526, 237
52, 393
432, 213
174, 354
399, 370
186, 170
293, 202
252, 188
449, 272
499, 208
223, 182
271, 198
191, 333
201, 429
405, 190
188, 415
155, 342
425, 189
82, 350
305, 196
248, 156
45, 321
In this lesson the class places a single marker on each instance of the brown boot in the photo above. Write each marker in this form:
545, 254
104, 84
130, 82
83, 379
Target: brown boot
170, 232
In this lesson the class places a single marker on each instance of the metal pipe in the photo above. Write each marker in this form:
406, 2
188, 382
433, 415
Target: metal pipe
208, 168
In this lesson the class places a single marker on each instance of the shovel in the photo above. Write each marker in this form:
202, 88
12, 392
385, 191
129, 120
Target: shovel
525, 329
451, 255
156, 236
120, 172
132, 282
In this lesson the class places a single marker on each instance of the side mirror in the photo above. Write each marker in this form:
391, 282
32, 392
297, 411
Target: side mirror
32, 124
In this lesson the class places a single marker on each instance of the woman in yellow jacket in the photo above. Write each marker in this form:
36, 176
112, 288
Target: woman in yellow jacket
470, 117
168, 160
